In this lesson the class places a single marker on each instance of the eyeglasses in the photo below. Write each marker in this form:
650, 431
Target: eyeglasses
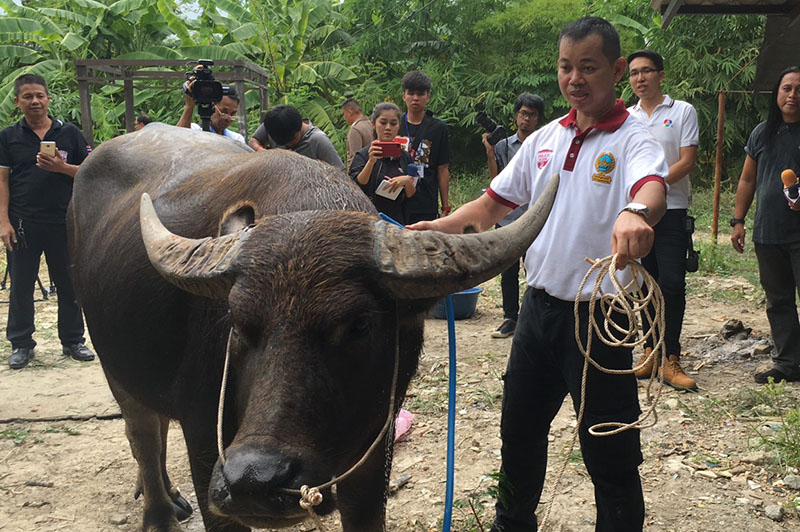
646, 71
223, 113
526, 114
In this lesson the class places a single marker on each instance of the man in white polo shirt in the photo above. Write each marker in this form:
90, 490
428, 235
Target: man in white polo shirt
673, 123
611, 192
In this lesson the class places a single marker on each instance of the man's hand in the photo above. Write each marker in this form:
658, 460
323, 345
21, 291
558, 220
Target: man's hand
737, 238
631, 238
489, 147
8, 235
51, 164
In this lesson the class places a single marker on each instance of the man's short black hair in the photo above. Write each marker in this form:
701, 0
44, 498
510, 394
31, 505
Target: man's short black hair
416, 81
282, 123
534, 101
144, 119
351, 104
29, 79
230, 92
586, 26
655, 57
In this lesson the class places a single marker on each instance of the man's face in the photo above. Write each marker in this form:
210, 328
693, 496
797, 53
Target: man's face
223, 114
645, 79
349, 116
789, 97
416, 100
586, 77
33, 101
527, 119
138, 126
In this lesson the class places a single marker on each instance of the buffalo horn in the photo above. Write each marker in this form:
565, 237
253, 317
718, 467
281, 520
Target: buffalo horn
199, 266
428, 264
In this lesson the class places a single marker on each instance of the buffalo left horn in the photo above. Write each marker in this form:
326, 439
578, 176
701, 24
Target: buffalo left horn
199, 266
428, 264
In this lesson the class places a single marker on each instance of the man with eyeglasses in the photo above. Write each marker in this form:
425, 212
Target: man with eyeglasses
673, 123
528, 113
221, 119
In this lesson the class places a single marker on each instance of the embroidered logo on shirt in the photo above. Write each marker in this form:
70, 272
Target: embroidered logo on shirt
604, 165
667, 123
542, 158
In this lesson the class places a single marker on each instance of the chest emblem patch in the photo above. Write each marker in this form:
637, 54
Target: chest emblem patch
667, 123
542, 158
604, 165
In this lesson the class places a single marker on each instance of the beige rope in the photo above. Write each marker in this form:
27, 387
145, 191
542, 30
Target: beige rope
312, 496
623, 301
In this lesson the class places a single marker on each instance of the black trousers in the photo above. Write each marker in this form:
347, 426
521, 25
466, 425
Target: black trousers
545, 365
779, 271
509, 286
666, 263
23, 267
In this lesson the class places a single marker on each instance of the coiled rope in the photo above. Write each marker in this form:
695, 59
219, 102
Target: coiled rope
312, 496
629, 301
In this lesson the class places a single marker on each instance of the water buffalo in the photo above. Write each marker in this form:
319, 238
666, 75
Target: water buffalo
282, 259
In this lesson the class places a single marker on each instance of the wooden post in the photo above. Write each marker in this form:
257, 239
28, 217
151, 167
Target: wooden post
718, 163
241, 111
86, 105
130, 119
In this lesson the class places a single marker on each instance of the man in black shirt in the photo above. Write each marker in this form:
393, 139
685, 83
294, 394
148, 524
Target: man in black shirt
35, 189
429, 146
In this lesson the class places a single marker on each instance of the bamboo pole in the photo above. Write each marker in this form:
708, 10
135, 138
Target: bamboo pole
718, 163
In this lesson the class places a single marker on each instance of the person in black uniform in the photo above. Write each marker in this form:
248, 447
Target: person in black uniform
35, 189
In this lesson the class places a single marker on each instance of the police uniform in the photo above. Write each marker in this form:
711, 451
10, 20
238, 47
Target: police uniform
674, 125
600, 169
38, 202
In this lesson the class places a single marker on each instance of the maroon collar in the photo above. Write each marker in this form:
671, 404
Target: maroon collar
611, 122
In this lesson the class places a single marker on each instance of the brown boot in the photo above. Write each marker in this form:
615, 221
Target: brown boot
675, 377
647, 369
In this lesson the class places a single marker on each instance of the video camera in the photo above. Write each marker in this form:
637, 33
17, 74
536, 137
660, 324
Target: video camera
206, 91
496, 132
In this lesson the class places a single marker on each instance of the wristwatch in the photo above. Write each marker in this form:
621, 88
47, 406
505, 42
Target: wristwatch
446, 209
637, 208
735, 221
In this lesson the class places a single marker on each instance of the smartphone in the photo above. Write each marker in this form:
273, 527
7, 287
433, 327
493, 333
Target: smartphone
389, 149
48, 147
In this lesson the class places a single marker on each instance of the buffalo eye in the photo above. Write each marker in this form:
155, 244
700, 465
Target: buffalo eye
359, 328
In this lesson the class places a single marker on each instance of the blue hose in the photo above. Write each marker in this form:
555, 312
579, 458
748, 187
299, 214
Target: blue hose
451, 403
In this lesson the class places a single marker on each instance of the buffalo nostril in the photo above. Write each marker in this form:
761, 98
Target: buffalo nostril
251, 471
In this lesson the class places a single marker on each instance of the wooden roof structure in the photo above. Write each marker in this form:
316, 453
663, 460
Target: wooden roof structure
670, 8
164, 74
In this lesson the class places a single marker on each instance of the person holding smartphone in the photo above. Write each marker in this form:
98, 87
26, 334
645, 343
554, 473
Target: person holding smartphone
35, 190
381, 169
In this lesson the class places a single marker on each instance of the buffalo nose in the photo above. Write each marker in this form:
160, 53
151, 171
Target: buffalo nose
252, 471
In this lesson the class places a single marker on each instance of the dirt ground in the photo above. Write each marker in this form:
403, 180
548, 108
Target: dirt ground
702, 472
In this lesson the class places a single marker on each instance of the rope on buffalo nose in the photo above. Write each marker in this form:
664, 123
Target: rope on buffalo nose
628, 301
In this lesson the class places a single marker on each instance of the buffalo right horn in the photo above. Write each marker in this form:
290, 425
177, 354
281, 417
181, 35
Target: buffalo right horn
429, 264
199, 266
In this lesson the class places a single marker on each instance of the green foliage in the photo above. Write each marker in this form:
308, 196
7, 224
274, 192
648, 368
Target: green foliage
781, 434
18, 436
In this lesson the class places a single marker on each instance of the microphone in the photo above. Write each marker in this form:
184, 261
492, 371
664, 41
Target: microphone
790, 185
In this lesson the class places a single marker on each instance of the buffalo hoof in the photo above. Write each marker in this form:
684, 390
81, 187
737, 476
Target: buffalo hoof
182, 508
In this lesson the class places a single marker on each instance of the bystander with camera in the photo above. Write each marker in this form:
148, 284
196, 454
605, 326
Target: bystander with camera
528, 113
213, 95
381, 169
39, 157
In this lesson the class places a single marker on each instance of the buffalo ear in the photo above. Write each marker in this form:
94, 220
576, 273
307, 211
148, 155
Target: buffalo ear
236, 218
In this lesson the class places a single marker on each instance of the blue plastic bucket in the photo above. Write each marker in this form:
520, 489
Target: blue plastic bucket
464, 304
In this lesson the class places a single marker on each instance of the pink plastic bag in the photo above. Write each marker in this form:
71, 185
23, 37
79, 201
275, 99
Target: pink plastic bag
402, 424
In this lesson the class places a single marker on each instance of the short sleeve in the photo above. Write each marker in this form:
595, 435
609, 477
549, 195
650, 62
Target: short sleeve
5, 157
81, 150
645, 158
514, 183
754, 146
260, 135
443, 157
690, 135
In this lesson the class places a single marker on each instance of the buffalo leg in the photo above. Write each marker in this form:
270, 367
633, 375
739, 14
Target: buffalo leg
362, 496
201, 444
145, 433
